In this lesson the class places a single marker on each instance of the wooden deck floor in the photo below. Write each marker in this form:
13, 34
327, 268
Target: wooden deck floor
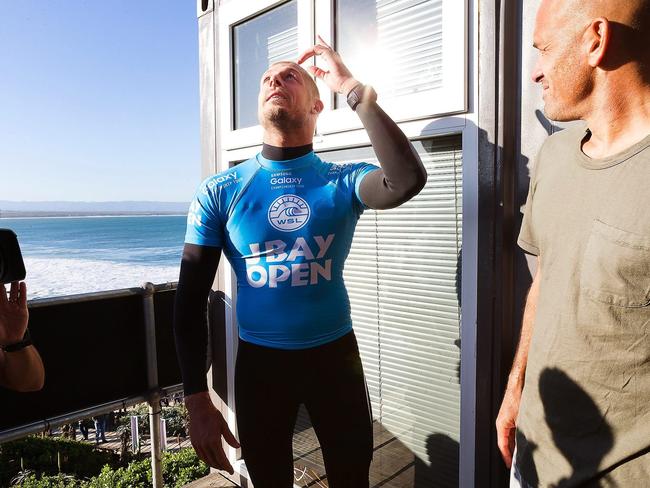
393, 463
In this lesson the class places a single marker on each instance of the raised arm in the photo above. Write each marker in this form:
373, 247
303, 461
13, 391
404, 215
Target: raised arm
506, 422
207, 425
402, 174
21, 367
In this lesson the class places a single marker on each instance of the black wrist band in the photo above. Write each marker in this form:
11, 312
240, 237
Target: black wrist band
17, 346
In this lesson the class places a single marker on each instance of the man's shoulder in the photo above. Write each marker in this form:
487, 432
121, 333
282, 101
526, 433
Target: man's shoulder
230, 179
339, 170
558, 148
565, 139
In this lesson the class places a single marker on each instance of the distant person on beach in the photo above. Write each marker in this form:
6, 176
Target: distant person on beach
576, 411
285, 220
100, 427
21, 367
83, 428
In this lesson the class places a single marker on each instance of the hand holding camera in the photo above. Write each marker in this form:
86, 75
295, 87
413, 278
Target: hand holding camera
13, 313
21, 367
13, 309
12, 267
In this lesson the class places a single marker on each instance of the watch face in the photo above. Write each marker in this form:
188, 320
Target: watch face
354, 98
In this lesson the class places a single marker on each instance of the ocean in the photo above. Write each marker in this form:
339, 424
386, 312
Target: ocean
67, 256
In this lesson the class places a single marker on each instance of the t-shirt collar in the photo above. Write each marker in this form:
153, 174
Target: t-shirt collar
306, 160
608, 162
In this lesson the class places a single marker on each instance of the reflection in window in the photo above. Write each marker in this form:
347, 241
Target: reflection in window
395, 46
259, 42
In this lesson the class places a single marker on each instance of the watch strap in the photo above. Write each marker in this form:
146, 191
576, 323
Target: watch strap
361, 93
17, 346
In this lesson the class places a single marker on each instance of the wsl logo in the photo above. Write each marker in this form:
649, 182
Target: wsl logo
288, 213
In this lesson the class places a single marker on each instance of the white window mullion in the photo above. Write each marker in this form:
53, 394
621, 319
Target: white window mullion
306, 12
324, 27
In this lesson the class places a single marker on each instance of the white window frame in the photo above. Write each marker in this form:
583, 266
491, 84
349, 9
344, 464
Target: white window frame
450, 98
317, 16
231, 14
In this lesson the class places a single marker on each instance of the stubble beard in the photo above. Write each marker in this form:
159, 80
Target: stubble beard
282, 120
573, 86
567, 110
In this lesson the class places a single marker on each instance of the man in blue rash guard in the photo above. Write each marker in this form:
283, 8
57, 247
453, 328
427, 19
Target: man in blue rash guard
285, 221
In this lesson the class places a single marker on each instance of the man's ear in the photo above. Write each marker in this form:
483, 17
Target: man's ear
318, 106
598, 37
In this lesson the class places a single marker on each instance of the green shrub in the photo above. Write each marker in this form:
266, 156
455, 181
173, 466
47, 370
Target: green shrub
179, 468
57, 481
41, 456
175, 416
142, 411
177, 420
135, 475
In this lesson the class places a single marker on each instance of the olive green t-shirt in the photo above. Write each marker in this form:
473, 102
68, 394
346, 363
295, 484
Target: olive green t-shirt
584, 418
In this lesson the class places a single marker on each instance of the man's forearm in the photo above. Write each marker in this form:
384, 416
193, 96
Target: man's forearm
22, 370
191, 336
198, 268
518, 371
402, 173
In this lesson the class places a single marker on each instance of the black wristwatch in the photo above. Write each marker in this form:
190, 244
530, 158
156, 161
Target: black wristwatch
17, 346
361, 93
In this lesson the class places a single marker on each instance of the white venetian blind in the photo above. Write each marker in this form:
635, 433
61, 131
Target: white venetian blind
283, 46
403, 279
403, 35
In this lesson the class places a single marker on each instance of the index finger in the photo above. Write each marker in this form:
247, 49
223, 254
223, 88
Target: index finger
306, 55
218, 455
321, 41
13, 292
315, 50
505, 449
22, 297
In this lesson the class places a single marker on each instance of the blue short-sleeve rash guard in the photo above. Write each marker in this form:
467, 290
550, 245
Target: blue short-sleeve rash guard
286, 228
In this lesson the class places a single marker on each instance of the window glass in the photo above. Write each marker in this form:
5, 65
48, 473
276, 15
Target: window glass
394, 45
259, 42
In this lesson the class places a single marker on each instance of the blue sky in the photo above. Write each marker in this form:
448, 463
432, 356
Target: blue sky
99, 100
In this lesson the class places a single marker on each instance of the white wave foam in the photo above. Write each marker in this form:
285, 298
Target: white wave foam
50, 277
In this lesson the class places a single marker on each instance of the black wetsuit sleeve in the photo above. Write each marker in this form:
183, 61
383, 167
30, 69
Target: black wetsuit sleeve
402, 174
198, 268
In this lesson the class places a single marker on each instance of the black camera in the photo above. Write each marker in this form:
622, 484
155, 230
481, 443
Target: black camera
12, 267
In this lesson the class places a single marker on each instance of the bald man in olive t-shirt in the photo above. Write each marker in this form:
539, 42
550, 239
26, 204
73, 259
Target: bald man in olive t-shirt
576, 410
586, 405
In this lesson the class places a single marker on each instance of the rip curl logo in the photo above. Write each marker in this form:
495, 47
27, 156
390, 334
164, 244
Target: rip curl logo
288, 213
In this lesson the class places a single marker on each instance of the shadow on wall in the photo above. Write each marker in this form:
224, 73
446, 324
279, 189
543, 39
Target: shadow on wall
442, 471
573, 431
504, 277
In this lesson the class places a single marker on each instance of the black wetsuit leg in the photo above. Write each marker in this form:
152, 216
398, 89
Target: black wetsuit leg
270, 384
339, 408
267, 406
